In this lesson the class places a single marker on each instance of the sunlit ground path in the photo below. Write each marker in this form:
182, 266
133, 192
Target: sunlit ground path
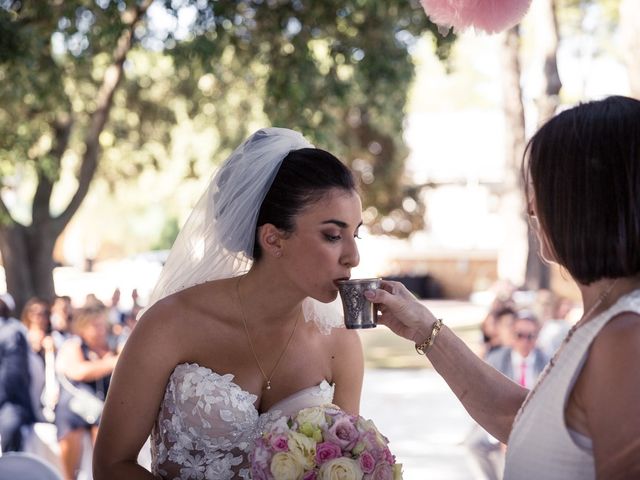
412, 405
423, 420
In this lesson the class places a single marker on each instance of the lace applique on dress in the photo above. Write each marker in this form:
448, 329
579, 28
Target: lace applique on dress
207, 424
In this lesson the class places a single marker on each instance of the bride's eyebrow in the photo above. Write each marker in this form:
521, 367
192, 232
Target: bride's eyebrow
339, 223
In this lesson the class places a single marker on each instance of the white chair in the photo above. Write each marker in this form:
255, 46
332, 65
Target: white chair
39, 439
25, 466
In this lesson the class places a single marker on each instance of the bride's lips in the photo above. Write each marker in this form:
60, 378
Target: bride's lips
335, 282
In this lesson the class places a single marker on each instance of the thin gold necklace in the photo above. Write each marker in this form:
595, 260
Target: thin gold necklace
253, 351
570, 333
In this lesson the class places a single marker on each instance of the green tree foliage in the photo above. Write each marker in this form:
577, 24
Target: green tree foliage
102, 86
339, 71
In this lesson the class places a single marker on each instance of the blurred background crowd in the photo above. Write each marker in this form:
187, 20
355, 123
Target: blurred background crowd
56, 360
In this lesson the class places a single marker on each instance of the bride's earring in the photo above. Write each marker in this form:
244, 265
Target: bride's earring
271, 240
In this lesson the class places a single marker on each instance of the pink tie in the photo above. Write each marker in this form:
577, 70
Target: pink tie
523, 373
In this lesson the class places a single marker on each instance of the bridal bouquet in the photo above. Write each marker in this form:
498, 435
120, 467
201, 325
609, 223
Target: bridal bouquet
323, 443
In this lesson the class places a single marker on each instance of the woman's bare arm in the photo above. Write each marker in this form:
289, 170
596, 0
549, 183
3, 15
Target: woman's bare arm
135, 393
609, 392
490, 398
74, 366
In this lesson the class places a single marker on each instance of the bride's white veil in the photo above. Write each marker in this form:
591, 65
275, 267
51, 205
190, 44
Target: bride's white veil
217, 239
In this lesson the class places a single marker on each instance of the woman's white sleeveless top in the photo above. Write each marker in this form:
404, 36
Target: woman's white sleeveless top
541, 446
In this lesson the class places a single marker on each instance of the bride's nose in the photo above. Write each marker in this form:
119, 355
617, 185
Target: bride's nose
350, 255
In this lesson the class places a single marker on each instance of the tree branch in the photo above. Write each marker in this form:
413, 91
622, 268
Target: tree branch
110, 82
41, 200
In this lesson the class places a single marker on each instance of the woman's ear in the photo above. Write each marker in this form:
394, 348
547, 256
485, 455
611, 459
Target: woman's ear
270, 239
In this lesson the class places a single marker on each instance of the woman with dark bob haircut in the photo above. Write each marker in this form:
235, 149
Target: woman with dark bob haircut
582, 419
239, 331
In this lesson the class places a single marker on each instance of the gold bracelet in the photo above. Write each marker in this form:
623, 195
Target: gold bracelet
424, 347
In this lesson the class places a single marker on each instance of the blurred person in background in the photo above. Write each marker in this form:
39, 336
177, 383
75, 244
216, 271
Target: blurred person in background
116, 314
493, 331
543, 305
135, 300
91, 300
35, 317
520, 360
130, 321
504, 320
16, 408
86, 362
61, 315
555, 328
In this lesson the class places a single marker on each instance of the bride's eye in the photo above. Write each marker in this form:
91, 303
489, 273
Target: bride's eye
357, 235
332, 238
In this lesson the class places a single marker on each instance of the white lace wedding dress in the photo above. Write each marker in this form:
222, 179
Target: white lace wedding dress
207, 424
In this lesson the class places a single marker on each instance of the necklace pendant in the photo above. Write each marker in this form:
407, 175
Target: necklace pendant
268, 387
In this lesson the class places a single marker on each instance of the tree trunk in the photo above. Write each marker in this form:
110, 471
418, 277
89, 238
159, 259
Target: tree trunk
548, 101
630, 33
538, 273
15, 259
513, 252
27, 252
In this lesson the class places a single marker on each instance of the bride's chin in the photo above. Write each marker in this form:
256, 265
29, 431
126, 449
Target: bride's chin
327, 298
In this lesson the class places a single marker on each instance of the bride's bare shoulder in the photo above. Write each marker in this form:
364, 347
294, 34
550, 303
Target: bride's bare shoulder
210, 302
184, 326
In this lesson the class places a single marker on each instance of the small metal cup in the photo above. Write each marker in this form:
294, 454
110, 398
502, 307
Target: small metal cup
358, 311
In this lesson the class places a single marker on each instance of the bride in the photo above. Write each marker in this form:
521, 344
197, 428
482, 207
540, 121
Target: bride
239, 331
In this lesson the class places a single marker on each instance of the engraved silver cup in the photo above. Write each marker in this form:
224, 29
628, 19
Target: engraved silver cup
358, 311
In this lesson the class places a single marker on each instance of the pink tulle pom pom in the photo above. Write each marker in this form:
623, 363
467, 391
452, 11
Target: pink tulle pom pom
490, 16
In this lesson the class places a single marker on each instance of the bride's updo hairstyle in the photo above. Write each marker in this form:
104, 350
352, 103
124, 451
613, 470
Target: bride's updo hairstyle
269, 178
584, 167
303, 178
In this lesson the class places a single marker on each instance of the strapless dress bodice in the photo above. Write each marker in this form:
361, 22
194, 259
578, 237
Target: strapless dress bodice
207, 424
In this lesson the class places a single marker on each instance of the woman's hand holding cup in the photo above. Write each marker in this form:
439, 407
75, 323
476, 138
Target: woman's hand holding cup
401, 311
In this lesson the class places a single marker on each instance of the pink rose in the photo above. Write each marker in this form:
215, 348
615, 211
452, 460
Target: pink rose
326, 451
388, 456
383, 471
310, 475
260, 457
279, 443
258, 474
342, 433
367, 462
371, 445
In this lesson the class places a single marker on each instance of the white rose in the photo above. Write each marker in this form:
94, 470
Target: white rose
340, 469
302, 448
314, 416
285, 467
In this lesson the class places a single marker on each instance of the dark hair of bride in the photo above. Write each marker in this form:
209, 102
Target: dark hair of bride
584, 167
304, 177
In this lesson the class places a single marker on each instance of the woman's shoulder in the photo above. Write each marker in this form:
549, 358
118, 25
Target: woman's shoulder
619, 336
611, 353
